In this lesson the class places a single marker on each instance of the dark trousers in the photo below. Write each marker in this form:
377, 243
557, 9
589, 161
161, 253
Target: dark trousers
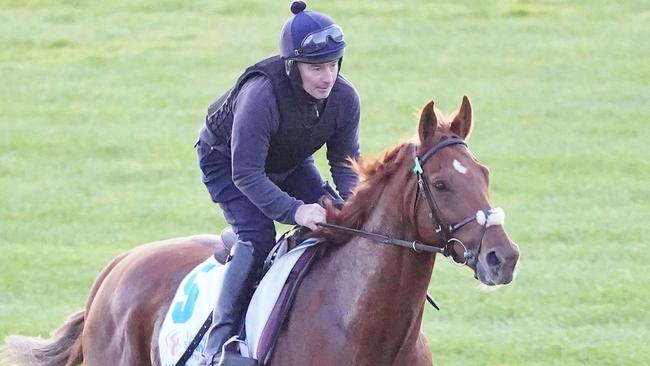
248, 222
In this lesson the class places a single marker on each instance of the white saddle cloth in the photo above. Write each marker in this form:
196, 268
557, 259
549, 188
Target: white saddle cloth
195, 299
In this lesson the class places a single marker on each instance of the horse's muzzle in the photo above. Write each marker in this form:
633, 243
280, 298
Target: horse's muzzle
497, 265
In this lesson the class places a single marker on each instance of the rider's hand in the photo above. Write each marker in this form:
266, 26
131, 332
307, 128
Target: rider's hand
309, 215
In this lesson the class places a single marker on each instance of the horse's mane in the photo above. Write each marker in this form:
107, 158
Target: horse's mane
373, 176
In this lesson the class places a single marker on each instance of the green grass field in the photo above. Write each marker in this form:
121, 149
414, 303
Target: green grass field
100, 104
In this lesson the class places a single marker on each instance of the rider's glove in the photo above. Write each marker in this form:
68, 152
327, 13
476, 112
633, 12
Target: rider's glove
309, 215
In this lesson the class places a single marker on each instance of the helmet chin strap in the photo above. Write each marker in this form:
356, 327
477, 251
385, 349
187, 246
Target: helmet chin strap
288, 64
291, 68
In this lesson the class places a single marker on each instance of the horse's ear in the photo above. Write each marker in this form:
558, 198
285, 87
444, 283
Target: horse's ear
462, 123
428, 122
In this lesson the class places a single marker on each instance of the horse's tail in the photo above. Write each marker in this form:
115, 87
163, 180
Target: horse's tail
63, 348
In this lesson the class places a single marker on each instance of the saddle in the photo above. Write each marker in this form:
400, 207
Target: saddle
292, 239
289, 240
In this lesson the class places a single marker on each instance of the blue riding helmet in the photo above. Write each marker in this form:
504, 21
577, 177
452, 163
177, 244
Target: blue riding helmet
310, 36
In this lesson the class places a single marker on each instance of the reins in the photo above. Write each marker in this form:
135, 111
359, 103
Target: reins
385, 239
452, 246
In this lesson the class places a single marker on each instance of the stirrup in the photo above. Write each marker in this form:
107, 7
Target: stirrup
234, 358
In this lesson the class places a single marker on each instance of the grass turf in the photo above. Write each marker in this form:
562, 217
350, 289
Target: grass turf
100, 104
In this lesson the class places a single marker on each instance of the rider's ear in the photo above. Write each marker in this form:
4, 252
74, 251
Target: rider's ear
462, 123
428, 122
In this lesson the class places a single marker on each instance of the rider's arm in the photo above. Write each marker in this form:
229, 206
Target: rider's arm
345, 143
255, 121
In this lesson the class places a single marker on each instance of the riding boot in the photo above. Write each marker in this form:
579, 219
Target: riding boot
240, 275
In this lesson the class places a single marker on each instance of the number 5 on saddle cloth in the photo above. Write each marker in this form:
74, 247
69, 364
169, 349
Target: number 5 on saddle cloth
182, 335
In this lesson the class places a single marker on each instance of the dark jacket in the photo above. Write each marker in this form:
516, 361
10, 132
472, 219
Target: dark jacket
266, 128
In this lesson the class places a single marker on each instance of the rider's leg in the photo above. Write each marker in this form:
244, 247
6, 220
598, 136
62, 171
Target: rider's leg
256, 235
239, 278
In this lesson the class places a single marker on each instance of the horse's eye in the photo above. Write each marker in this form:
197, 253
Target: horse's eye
440, 185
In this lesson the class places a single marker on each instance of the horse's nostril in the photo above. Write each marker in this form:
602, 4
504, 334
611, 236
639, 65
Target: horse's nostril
492, 260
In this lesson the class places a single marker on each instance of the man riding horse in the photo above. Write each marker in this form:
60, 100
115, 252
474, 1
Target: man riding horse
255, 151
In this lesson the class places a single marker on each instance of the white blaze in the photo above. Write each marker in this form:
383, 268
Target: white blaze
459, 167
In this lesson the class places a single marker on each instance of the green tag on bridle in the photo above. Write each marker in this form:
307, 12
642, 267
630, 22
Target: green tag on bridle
417, 168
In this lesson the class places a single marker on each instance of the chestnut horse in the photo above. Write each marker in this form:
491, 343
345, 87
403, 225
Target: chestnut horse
361, 303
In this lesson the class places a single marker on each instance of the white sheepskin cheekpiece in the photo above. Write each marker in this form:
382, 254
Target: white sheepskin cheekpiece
495, 216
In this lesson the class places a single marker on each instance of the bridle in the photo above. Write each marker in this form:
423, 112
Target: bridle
453, 246
445, 231
486, 218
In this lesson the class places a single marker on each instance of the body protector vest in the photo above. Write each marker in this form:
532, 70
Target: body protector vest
298, 135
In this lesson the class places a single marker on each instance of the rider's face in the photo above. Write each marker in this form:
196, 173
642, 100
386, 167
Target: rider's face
318, 79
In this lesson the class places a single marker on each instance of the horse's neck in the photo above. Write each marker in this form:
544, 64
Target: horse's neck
384, 285
362, 302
